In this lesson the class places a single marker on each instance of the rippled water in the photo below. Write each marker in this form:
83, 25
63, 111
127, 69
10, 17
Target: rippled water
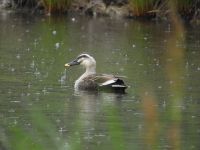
40, 110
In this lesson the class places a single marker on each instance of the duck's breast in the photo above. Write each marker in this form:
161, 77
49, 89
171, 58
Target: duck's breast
86, 85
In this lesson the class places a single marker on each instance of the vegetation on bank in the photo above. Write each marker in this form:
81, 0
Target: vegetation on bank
188, 9
57, 5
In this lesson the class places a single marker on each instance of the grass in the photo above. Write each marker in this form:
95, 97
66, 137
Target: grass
162, 7
50, 6
140, 7
55, 6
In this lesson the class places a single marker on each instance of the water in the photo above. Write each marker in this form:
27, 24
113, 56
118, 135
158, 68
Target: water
40, 110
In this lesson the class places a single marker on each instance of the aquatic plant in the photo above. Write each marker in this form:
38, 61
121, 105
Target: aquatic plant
52, 6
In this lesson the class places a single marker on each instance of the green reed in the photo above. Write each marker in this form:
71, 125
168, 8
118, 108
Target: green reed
58, 6
140, 7
146, 7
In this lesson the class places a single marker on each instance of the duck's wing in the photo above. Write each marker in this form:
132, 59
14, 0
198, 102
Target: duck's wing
98, 78
106, 80
113, 76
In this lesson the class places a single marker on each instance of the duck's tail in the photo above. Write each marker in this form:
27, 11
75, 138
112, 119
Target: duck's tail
115, 84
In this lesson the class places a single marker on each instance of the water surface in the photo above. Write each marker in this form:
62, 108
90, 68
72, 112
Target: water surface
40, 110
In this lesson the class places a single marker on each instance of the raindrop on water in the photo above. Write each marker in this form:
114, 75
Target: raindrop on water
82, 27
145, 38
35, 42
164, 104
12, 69
29, 85
63, 78
37, 73
58, 120
66, 146
11, 110
54, 32
44, 91
15, 101
18, 56
15, 122
57, 45
61, 130
19, 39
70, 49
139, 126
121, 69
73, 19
169, 28
32, 64
27, 31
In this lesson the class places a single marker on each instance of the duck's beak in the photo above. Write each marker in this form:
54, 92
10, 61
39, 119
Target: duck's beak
67, 65
73, 63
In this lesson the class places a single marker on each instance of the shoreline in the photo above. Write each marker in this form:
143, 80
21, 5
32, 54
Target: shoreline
101, 8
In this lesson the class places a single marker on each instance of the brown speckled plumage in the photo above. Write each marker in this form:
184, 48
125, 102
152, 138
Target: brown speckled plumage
92, 81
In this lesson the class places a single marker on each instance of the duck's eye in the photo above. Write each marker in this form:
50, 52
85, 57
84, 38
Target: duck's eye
81, 59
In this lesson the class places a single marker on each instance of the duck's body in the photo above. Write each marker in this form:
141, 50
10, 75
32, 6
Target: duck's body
92, 81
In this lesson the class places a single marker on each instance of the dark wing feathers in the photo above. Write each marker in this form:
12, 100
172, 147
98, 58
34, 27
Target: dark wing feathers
104, 80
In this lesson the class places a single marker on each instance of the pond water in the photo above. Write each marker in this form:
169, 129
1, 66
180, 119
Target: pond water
40, 110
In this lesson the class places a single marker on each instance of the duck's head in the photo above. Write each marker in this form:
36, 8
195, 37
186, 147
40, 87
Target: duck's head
83, 59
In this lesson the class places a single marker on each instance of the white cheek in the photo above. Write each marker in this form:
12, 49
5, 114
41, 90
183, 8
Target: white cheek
85, 63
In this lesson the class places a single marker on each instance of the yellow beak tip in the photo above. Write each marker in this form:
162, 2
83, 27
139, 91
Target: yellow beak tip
67, 65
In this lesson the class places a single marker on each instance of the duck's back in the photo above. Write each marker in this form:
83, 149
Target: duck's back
102, 82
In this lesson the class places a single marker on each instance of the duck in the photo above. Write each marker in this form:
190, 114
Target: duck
91, 81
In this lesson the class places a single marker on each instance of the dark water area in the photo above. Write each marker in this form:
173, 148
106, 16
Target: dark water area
39, 108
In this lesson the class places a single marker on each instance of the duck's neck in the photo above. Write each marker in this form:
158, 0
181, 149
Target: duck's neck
89, 70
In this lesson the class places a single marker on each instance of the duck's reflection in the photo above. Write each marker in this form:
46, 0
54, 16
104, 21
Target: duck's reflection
94, 110
91, 101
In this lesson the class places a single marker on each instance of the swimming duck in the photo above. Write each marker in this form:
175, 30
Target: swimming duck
90, 80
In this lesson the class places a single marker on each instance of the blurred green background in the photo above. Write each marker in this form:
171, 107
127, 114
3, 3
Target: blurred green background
39, 109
